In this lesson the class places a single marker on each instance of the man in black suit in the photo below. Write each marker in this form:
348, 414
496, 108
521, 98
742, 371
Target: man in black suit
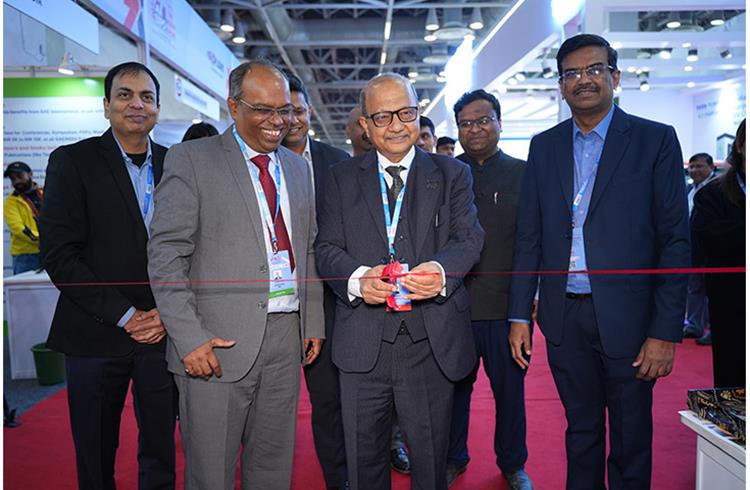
321, 377
497, 189
397, 358
94, 228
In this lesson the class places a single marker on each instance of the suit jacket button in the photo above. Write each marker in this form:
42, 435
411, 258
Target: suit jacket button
261, 305
264, 268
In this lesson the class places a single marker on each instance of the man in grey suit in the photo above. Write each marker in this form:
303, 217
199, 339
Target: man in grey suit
234, 211
403, 359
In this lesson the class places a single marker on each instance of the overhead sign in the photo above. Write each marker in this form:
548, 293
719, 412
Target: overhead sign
127, 13
65, 17
192, 96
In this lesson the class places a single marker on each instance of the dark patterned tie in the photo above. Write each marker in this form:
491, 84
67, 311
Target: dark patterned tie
398, 183
269, 189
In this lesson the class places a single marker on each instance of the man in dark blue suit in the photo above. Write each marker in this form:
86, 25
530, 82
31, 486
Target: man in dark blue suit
603, 190
403, 359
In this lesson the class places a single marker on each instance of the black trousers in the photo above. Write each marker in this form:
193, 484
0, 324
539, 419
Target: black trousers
97, 387
592, 388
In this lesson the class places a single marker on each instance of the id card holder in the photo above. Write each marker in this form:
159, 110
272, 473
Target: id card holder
281, 274
397, 301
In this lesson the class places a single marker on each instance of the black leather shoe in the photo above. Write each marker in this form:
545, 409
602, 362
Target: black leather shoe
690, 332
453, 471
400, 461
705, 340
519, 480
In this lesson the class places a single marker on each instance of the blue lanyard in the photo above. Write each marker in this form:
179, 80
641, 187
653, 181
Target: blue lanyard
582, 191
741, 182
255, 176
391, 224
149, 191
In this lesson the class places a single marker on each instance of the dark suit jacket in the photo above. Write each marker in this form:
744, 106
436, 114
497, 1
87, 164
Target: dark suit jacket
439, 223
497, 190
637, 219
92, 230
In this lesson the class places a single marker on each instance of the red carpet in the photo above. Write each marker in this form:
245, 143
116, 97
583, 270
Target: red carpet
39, 454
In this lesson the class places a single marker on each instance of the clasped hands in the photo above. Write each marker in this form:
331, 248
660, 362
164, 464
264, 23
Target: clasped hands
146, 327
425, 281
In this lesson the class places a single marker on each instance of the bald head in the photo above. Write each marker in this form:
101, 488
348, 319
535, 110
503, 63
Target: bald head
385, 78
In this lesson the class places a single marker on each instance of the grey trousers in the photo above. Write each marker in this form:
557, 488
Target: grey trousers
258, 413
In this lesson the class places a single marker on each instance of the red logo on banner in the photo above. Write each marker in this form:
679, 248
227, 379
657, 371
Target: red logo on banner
134, 8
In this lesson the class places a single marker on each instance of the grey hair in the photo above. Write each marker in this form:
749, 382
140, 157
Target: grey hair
238, 74
377, 80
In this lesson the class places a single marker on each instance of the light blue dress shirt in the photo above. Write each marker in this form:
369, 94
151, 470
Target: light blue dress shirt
587, 150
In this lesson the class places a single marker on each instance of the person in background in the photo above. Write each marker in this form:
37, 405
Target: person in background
94, 228
718, 226
322, 376
200, 130
356, 133
445, 146
426, 140
701, 171
497, 191
21, 210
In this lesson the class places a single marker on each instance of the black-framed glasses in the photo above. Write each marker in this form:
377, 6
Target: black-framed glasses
592, 71
385, 118
264, 112
483, 122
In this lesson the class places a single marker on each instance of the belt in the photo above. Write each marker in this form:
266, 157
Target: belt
578, 295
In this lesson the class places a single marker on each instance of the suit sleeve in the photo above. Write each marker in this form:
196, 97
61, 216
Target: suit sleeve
466, 237
65, 233
527, 252
670, 217
170, 248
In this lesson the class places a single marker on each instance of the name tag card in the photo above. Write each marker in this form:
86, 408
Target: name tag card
281, 275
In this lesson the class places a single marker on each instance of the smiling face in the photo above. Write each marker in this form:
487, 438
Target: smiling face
589, 95
479, 140
262, 87
132, 109
699, 170
300, 125
396, 139
426, 139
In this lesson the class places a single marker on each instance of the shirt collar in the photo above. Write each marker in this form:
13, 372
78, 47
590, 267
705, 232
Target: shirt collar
405, 162
600, 129
125, 155
307, 154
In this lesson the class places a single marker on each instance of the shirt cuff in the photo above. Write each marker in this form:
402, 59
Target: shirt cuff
444, 291
353, 284
126, 317
518, 320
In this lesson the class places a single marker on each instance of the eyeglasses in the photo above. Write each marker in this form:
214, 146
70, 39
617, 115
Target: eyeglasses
299, 111
385, 118
268, 112
592, 71
483, 122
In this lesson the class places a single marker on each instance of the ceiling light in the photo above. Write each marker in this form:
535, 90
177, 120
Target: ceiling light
430, 37
691, 84
239, 34
673, 21
387, 30
665, 53
692, 55
520, 76
432, 21
688, 68
348, 141
227, 21
726, 54
547, 72
440, 79
66, 65
442, 72
425, 101
413, 73
617, 45
717, 19
476, 22
383, 57
512, 81
645, 87
197, 119
687, 45
454, 28
311, 132
631, 69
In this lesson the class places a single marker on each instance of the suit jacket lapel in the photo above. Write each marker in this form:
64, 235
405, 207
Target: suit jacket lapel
564, 155
427, 186
236, 162
617, 140
369, 186
157, 160
295, 186
111, 154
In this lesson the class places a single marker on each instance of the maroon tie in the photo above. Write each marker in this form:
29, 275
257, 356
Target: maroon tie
269, 189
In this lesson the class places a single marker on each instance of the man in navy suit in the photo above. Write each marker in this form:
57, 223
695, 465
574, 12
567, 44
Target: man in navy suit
403, 359
603, 190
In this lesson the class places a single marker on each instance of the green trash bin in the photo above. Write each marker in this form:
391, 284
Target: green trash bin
50, 365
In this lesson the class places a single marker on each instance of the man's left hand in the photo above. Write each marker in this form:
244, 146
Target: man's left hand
655, 359
425, 281
312, 349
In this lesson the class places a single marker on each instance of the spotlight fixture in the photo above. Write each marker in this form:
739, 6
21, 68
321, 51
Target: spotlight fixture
430, 37
688, 68
645, 87
197, 119
520, 76
673, 22
726, 54
348, 141
239, 34
432, 21
717, 19
512, 81
476, 22
690, 84
631, 69
665, 53
687, 44
311, 132
227, 21
66, 65
547, 72
413, 72
692, 55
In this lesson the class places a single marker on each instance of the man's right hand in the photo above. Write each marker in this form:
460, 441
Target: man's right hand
202, 362
374, 290
146, 327
520, 342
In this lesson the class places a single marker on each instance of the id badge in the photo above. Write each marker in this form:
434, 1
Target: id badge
397, 301
281, 274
